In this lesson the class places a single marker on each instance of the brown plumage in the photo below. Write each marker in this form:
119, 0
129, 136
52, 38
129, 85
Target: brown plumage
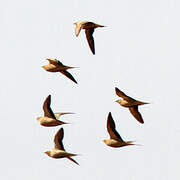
89, 30
58, 151
130, 103
56, 66
50, 119
115, 139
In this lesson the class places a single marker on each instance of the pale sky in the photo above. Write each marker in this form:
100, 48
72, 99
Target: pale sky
137, 51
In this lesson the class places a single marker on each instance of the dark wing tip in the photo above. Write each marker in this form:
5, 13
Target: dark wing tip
49, 96
90, 39
68, 75
58, 139
109, 115
134, 111
73, 160
110, 121
60, 134
116, 90
47, 101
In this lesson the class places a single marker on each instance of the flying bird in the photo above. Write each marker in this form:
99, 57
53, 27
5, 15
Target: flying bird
58, 151
56, 66
115, 139
89, 30
130, 103
50, 119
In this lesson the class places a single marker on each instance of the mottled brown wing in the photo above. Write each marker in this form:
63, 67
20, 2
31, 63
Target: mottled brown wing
90, 39
122, 95
58, 139
67, 74
134, 111
111, 127
47, 109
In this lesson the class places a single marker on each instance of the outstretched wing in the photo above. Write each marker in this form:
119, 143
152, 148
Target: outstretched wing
90, 39
58, 139
68, 75
78, 29
122, 95
54, 61
73, 160
47, 109
134, 111
111, 127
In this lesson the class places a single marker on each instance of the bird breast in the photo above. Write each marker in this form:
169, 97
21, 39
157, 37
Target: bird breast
123, 102
51, 68
45, 121
114, 143
57, 153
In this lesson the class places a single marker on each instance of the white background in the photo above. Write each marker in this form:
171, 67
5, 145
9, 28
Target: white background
137, 51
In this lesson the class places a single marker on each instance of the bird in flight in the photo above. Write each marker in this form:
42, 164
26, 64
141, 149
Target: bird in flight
130, 103
58, 151
50, 119
115, 139
89, 30
56, 66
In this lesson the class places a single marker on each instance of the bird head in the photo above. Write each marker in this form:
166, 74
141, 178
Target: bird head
38, 118
119, 101
48, 153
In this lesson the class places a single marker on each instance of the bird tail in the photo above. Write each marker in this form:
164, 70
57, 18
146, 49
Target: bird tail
132, 143
57, 115
142, 103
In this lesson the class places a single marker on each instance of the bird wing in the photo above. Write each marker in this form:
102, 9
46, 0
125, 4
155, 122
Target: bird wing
134, 111
59, 63
78, 29
72, 160
47, 109
122, 95
111, 127
90, 39
54, 61
58, 140
67, 74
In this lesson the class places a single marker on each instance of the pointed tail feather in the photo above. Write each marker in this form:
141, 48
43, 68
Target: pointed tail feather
57, 115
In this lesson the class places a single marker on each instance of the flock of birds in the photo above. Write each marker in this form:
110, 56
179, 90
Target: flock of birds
50, 118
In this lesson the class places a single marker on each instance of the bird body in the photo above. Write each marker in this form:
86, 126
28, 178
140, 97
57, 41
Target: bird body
115, 139
89, 30
130, 103
85, 25
58, 151
50, 119
49, 122
126, 103
56, 66
115, 143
